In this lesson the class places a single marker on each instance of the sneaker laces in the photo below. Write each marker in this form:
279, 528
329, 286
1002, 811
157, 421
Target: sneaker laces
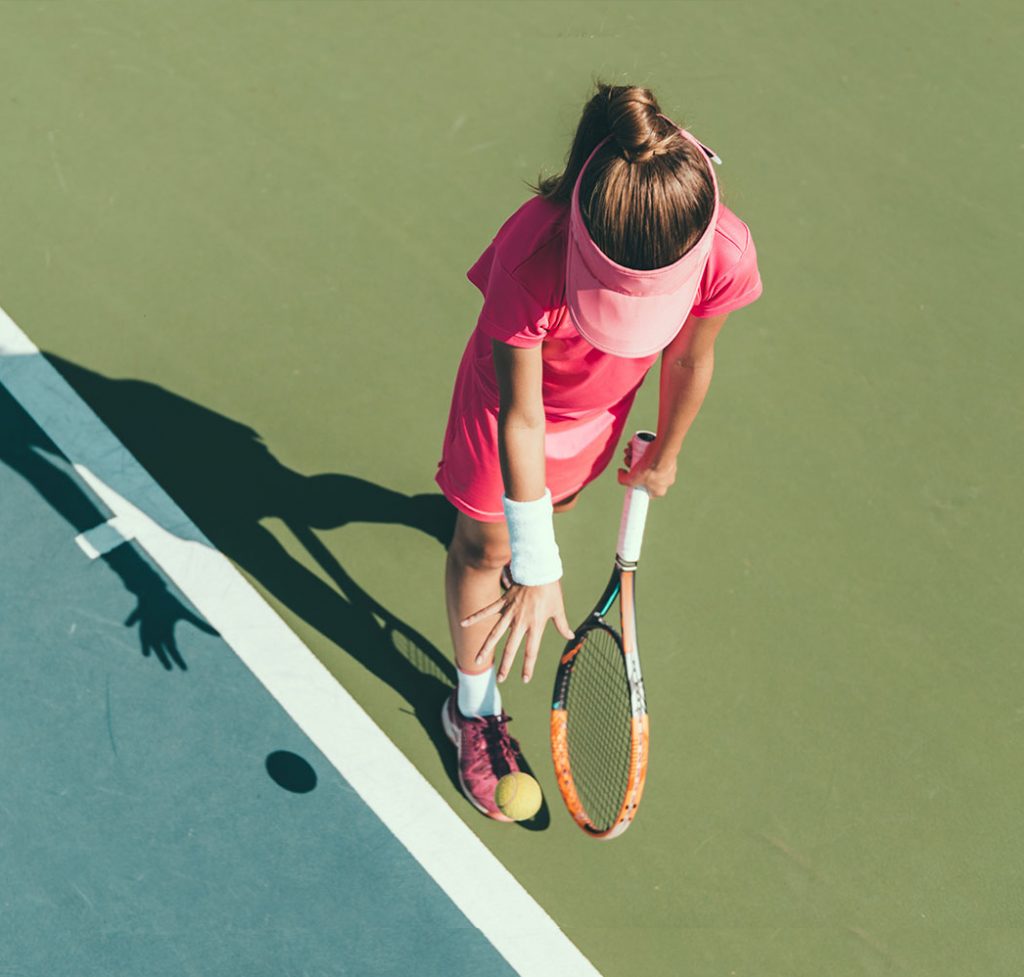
501, 749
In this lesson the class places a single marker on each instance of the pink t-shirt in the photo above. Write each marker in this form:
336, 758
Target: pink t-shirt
522, 277
587, 393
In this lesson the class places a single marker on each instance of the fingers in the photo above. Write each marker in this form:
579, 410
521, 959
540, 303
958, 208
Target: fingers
511, 647
487, 649
531, 653
149, 647
201, 624
489, 611
654, 487
175, 655
526, 621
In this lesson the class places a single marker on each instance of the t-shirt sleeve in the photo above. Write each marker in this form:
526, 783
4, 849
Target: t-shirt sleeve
510, 313
734, 287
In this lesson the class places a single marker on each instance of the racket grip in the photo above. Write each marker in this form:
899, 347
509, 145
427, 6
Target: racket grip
634, 509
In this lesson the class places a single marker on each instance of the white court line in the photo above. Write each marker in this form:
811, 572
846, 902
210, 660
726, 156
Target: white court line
483, 889
103, 538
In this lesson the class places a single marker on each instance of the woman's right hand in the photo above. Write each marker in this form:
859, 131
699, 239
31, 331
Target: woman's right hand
524, 610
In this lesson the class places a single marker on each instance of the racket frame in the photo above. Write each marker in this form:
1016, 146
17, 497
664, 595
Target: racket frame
621, 586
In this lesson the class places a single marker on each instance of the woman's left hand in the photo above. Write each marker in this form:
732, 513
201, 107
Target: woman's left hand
652, 473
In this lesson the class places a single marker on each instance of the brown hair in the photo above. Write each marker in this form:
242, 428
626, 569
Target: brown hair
647, 195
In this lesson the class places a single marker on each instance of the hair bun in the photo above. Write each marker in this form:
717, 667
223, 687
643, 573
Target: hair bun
635, 122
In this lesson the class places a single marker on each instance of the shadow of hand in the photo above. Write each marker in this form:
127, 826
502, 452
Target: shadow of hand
156, 614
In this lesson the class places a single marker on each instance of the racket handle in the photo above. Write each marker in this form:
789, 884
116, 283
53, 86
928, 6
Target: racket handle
634, 509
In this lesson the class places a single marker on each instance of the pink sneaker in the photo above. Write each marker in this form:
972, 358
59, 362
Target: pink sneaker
486, 754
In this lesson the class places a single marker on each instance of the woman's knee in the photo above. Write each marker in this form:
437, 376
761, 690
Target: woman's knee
568, 503
481, 545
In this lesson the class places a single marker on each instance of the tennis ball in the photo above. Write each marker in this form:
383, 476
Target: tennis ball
518, 796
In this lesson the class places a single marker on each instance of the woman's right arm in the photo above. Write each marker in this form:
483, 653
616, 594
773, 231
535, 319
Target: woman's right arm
520, 420
523, 610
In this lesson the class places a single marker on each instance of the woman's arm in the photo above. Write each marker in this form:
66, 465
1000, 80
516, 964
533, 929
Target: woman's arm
523, 610
520, 420
687, 364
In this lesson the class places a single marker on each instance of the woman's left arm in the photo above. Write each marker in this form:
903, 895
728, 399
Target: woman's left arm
686, 367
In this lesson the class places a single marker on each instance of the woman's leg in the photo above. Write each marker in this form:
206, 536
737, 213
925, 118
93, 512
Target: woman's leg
473, 718
476, 556
568, 503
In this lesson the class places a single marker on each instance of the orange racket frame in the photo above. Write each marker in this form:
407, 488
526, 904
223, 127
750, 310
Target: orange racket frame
621, 586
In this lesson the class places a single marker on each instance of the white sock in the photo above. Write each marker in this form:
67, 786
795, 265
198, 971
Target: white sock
478, 694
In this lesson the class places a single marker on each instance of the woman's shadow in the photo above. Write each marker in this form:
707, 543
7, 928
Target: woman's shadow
223, 476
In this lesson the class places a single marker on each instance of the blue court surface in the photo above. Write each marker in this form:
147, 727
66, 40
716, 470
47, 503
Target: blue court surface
164, 811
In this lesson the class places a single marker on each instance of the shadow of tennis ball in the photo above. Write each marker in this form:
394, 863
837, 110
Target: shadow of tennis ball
291, 772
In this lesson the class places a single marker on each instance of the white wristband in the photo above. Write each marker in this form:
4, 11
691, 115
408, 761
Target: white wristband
531, 531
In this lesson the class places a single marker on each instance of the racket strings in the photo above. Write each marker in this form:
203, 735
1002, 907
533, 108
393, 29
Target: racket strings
599, 734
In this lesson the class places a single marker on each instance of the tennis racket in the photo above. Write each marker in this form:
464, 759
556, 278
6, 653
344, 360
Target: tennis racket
599, 724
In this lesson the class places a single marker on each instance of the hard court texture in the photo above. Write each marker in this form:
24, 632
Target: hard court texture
174, 820
241, 232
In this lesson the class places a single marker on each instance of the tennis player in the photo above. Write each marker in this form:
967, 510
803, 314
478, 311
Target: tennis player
627, 256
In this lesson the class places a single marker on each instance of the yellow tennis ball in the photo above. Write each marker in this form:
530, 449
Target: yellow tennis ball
518, 796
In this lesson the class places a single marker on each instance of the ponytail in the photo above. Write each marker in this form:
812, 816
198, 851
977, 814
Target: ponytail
647, 196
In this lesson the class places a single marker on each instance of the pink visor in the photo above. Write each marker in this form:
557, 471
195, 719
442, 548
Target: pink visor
624, 311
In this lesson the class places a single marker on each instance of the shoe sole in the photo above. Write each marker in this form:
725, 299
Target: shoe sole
452, 732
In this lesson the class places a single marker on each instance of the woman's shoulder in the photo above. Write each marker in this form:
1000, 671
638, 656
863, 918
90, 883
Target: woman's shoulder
531, 236
731, 277
732, 239
530, 247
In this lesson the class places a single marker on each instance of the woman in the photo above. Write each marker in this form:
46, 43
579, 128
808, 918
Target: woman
628, 255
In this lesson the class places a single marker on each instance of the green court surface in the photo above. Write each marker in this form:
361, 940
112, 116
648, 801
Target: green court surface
241, 231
